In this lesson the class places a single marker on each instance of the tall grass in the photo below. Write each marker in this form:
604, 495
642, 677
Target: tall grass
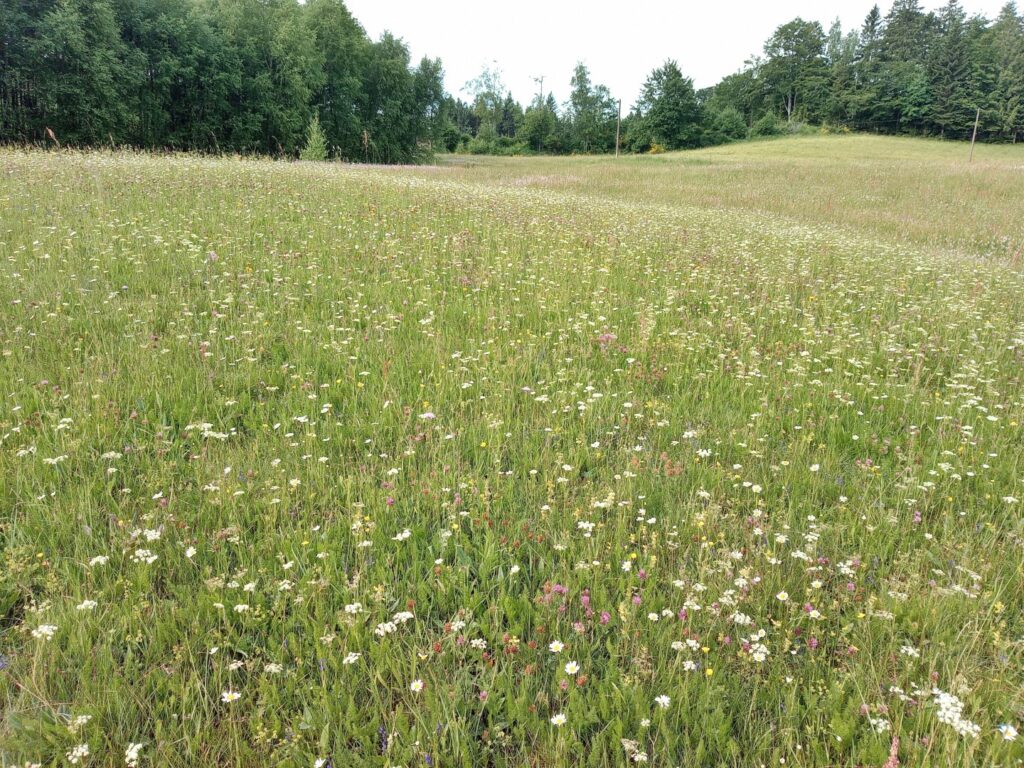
539, 463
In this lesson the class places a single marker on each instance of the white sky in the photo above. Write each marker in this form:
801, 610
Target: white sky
620, 42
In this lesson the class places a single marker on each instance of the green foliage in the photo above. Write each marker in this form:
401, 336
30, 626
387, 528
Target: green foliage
76, 54
236, 75
489, 97
794, 71
316, 142
669, 109
346, 53
450, 137
479, 145
592, 114
768, 125
539, 126
724, 126
949, 70
511, 120
636, 134
247, 75
1005, 45
909, 71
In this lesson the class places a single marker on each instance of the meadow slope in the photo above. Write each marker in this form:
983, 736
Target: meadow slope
545, 462
895, 189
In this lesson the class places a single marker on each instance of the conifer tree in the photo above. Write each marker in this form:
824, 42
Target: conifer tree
316, 142
951, 109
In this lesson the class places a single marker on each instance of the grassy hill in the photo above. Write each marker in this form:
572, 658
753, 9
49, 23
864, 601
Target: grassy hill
915, 190
703, 459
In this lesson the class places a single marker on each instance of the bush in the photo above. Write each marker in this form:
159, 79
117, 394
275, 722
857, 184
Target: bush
316, 142
636, 134
767, 125
450, 137
800, 128
502, 146
479, 146
656, 149
515, 148
724, 126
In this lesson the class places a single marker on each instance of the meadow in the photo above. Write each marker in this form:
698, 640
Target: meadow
701, 459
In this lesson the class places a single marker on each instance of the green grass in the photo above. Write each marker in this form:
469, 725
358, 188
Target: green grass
242, 382
898, 189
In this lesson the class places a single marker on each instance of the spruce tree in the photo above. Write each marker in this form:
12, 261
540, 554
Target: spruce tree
316, 142
951, 111
903, 99
1007, 45
866, 69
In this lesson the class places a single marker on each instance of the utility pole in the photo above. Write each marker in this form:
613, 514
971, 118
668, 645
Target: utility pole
618, 128
974, 135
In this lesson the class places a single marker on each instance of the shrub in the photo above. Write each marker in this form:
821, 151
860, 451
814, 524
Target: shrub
450, 137
767, 125
725, 126
316, 142
479, 146
799, 128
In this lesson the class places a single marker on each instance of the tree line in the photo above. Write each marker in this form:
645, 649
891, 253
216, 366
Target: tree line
285, 77
910, 71
211, 75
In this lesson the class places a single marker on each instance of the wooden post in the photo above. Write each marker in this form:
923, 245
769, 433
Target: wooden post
618, 127
974, 135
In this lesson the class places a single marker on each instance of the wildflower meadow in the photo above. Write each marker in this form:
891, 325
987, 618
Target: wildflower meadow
682, 460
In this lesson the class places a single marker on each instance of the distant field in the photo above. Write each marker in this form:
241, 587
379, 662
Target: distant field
700, 459
910, 190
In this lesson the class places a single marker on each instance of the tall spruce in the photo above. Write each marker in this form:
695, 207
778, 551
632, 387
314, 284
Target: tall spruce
840, 54
867, 73
952, 108
1007, 97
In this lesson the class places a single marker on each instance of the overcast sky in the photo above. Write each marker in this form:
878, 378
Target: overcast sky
620, 42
